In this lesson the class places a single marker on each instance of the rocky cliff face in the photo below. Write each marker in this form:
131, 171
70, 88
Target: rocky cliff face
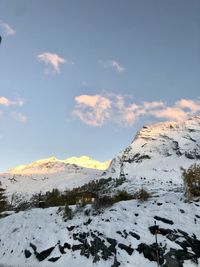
160, 149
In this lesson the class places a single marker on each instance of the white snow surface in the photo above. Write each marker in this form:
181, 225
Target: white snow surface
45, 227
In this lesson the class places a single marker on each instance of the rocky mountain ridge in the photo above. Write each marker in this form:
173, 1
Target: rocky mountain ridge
160, 150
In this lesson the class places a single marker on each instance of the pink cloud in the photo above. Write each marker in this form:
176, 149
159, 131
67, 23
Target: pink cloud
153, 105
171, 113
93, 110
52, 60
193, 106
4, 101
96, 110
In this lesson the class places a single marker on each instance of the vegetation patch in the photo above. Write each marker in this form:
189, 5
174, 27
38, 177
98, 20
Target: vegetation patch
3, 200
191, 178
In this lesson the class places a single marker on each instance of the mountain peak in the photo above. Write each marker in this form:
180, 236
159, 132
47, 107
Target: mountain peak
159, 150
53, 165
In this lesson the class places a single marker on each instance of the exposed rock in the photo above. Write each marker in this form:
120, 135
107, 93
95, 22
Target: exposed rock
134, 235
27, 253
67, 245
77, 247
128, 249
112, 241
54, 259
156, 229
152, 252
70, 228
44, 254
62, 249
33, 247
88, 221
163, 220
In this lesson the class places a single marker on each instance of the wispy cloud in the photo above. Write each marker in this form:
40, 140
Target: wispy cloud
4, 101
8, 30
112, 64
18, 116
97, 110
8, 105
53, 61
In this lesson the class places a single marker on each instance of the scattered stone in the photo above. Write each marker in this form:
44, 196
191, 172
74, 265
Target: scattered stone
61, 249
70, 228
134, 235
163, 220
67, 245
27, 253
128, 249
112, 241
88, 222
125, 234
44, 254
33, 247
54, 259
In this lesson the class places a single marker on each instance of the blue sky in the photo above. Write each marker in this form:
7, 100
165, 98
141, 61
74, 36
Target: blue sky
80, 77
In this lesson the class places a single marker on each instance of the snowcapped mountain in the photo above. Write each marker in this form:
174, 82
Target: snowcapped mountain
47, 174
159, 151
54, 165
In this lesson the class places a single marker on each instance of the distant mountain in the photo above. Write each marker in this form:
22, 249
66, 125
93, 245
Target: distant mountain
54, 165
47, 174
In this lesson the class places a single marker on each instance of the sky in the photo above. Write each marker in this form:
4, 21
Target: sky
81, 77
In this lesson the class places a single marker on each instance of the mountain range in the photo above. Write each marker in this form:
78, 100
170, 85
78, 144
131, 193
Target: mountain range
123, 235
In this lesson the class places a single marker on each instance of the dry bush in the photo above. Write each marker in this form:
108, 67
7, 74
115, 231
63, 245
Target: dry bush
191, 178
142, 195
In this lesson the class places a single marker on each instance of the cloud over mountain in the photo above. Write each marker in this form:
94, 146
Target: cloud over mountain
97, 110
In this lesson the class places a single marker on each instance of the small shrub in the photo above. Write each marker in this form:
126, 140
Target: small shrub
142, 195
191, 178
53, 198
67, 213
120, 181
103, 202
3, 200
123, 195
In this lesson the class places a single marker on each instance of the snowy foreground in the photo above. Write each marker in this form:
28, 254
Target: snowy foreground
127, 222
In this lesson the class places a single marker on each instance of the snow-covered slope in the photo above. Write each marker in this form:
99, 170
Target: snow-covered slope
159, 151
54, 165
119, 236
46, 174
